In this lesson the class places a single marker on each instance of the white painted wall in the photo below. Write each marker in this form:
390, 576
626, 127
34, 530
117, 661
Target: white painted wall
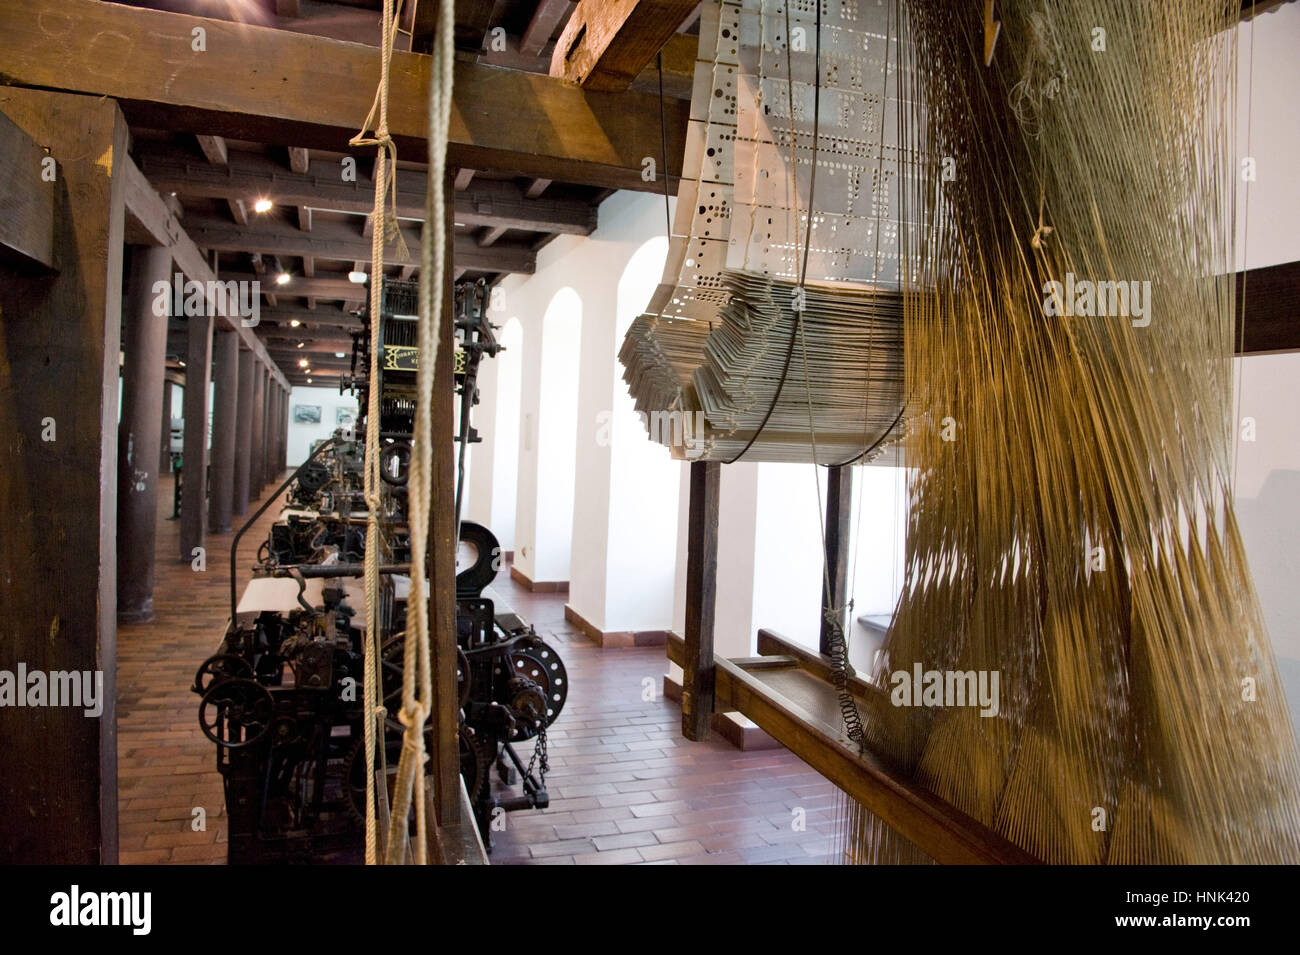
621, 532
301, 436
642, 481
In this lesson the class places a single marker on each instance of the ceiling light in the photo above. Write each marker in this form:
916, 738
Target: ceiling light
302, 344
339, 354
294, 323
302, 362
358, 278
282, 278
262, 205
309, 381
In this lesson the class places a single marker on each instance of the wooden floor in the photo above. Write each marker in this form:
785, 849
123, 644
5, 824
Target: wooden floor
625, 787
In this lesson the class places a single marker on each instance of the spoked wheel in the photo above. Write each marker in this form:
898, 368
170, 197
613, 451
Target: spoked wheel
541, 664
236, 713
223, 666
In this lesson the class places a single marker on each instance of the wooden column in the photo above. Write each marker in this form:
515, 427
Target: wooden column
281, 404
701, 593
225, 417
59, 340
442, 547
257, 455
143, 383
194, 477
839, 506
243, 433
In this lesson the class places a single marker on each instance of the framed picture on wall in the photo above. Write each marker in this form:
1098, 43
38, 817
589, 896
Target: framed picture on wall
306, 414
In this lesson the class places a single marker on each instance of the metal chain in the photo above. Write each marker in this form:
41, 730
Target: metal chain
539, 752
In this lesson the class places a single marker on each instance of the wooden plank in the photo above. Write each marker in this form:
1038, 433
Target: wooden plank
548, 15
59, 345
606, 43
463, 178
701, 593
835, 582
442, 556
27, 199
299, 159
487, 203
491, 235
938, 829
291, 89
155, 222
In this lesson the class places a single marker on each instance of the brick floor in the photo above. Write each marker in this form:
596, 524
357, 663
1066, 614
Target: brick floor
625, 787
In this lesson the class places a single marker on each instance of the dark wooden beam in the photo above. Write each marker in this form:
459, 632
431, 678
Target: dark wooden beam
490, 236
486, 203
444, 720
606, 43
27, 197
1268, 310
541, 27
278, 319
701, 594
288, 89
334, 240
60, 336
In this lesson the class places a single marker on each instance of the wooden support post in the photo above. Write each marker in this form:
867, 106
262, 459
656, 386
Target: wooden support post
243, 433
280, 416
839, 505
194, 477
442, 552
225, 414
257, 456
701, 593
59, 341
143, 384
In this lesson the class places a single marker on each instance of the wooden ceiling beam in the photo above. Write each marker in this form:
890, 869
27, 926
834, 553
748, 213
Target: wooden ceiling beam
278, 319
606, 43
290, 89
541, 27
487, 202
299, 159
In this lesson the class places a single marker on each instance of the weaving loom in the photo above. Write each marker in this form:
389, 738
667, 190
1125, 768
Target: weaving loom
1024, 233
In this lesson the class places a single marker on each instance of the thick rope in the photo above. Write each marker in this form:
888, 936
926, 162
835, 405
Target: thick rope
385, 227
417, 678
